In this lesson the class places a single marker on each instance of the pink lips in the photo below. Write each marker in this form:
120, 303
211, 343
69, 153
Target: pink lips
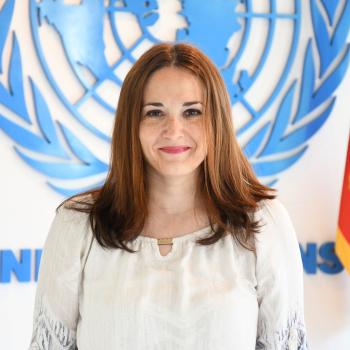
176, 149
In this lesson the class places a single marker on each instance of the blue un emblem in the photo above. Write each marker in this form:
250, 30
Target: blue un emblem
281, 83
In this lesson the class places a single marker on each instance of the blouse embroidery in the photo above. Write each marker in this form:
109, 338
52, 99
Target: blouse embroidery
50, 333
291, 337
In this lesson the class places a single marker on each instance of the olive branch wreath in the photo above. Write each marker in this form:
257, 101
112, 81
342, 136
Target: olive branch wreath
271, 150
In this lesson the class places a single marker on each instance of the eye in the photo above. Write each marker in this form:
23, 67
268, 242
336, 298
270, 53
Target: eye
154, 113
192, 112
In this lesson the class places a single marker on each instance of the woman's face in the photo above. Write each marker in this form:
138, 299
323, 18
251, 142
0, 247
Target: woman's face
171, 129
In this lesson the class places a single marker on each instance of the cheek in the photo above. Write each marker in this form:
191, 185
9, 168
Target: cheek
147, 137
142, 133
199, 136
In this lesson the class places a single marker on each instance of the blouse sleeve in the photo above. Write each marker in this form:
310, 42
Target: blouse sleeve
279, 273
56, 308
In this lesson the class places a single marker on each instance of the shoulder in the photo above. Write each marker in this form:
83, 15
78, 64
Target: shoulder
70, 227
272, 210
277, 232
66, 215
273, 215
74, 210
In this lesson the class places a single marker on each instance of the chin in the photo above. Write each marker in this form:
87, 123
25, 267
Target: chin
177, 171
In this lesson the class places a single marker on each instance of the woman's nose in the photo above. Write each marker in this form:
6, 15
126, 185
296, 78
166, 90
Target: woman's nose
173, 126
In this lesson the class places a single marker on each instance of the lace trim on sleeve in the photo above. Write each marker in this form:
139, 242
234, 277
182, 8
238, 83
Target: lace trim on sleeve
50, 333
290, 337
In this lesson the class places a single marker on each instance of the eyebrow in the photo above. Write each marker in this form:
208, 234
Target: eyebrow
159, 104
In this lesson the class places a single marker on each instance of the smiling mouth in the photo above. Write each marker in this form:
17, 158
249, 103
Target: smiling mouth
177, 149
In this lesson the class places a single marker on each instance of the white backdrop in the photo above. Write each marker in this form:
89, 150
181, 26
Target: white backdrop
310, 190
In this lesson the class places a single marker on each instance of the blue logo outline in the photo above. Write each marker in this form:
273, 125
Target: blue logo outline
270, 140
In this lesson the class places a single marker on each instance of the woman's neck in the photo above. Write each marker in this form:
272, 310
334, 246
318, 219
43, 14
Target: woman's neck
174, 205
173, 195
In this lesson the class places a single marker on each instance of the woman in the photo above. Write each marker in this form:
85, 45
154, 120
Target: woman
182, 247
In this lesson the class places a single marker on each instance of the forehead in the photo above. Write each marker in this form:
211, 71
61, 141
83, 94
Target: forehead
171, 82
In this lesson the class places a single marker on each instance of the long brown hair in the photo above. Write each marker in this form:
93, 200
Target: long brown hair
230, 189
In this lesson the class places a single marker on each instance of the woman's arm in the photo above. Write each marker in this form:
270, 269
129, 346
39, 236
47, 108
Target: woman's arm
56, 302
279, 274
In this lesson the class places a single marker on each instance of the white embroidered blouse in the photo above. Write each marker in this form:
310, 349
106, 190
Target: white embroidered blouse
215, 297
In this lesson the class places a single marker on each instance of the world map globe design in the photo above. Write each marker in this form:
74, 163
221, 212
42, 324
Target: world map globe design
211, 27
